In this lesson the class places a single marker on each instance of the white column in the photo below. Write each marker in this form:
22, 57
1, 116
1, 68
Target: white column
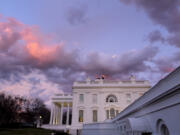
51, 117
59, 114
67, 118
54, 114
62, 108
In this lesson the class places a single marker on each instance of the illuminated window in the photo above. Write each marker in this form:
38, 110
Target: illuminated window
111, 98
81, 115
94, 115
94, 98
81, 98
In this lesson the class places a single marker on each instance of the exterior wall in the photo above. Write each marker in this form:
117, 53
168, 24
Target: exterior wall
103, 88
157, 109
103, 128
165, 110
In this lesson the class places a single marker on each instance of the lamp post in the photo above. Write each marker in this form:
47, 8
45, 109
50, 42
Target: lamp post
40, 120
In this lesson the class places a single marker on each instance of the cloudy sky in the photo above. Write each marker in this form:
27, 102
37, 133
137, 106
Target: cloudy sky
45, 45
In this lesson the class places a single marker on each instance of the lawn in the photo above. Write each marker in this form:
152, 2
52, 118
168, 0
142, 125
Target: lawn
28, 131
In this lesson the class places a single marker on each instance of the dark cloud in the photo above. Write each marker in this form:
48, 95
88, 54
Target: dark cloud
174, 39
155, 36
31, 53
77, 15
126, 63
165, 13
162, 12
167, 64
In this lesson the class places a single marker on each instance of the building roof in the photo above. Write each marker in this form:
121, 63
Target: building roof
163, 86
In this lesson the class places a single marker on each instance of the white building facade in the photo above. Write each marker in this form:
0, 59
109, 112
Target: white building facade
94, 101
99, 100
157, 112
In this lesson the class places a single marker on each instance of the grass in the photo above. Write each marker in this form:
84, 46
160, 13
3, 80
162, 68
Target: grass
27, 131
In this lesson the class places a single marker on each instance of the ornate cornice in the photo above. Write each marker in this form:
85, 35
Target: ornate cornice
102, 87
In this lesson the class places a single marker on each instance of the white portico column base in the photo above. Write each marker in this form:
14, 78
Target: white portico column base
67, 118
62, 110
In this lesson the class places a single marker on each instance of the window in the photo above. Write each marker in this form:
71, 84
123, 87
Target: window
111, 98
107, 114
117, 112
94, 98
161, 127
112, 113
94, 115
121, 128
80, 115
81, 98
164, 130
124, 127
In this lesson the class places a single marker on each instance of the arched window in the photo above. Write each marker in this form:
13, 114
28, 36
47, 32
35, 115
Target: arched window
164, 130
111, 98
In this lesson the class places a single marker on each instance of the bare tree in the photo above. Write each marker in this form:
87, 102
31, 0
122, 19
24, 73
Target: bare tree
21, 110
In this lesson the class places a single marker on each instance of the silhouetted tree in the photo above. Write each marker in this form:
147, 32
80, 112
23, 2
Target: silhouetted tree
34, 109
21, 110
10, 108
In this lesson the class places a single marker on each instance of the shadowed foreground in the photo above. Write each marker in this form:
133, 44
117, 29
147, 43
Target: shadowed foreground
28, 131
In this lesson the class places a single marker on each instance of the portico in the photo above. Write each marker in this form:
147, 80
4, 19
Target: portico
61, 105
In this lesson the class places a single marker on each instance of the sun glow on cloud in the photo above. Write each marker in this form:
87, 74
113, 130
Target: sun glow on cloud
36, 47
40, 52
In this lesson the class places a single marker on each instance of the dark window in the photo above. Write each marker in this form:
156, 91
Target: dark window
111, 98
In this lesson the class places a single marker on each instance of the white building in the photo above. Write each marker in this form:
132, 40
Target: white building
94, 101
157, 112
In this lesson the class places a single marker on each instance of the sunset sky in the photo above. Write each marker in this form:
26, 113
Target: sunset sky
45, 45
